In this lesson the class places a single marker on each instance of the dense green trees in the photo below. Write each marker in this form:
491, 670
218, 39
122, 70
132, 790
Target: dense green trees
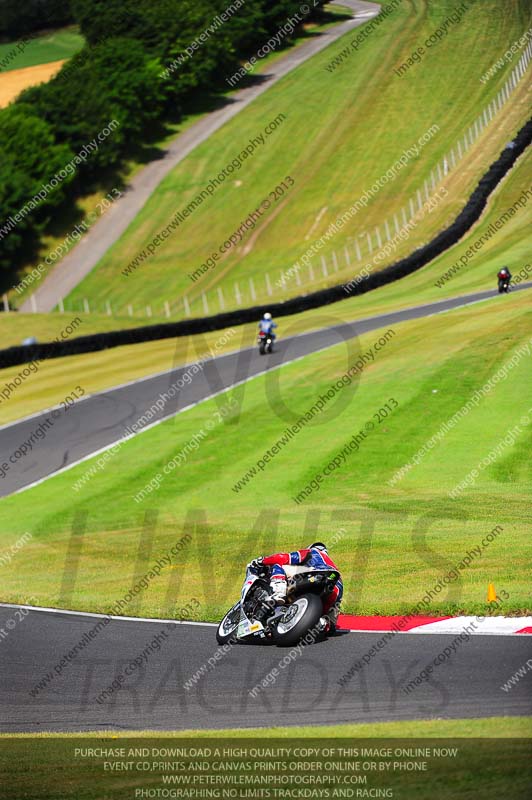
19, 17
119, 75
29, 160
119, 81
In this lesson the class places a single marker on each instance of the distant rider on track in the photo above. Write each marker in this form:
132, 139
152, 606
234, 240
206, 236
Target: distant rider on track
266, 325
504, 276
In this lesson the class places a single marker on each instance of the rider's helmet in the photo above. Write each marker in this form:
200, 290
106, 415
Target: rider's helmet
318, 546
267, 315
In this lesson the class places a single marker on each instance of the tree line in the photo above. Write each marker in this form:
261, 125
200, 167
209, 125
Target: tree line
118, 75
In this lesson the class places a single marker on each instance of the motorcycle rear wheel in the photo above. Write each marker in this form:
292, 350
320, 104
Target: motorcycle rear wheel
300, 617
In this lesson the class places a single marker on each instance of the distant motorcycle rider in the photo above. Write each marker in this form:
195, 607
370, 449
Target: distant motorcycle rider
266, 325
313, 558
504, 276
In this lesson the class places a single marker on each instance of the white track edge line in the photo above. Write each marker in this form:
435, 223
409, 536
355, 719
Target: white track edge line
111, 389
163, 419
420, 632
106, 616
68, 612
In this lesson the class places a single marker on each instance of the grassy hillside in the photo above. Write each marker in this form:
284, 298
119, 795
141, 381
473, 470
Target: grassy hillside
424, 374
104, 369
50, 46
332, 163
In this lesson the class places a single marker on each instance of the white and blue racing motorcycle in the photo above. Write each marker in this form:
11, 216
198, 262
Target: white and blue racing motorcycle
256, 616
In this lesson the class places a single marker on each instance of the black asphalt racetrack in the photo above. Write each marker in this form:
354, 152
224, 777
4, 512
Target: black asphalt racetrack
102, 419
305, 691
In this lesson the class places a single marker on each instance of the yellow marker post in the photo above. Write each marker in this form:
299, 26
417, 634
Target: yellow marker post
492, 594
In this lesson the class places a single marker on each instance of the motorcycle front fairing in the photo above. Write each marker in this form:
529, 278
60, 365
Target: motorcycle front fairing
248, 627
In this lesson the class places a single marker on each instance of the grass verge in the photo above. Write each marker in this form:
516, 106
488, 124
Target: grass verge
60, 766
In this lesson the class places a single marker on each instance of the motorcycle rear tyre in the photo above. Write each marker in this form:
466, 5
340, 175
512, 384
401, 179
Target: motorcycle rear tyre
308, 621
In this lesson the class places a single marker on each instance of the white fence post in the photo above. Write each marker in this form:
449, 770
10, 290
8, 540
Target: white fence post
6, 304
33, 304
167, 308
396, 223
310, 272
238, 297
221, 300
205, 303
86, 306
108, 307
324, 267
130, 310
347, 256
357, 248
61, 306
186, 305
268, 285
387, 229
370, 245
252, 290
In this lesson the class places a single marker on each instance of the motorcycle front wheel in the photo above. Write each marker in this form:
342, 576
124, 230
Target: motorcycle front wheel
228, 625
300, 618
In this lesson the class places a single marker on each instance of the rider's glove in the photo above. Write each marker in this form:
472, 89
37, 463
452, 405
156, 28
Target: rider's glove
258, 563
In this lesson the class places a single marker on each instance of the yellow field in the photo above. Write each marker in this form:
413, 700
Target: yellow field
14, 82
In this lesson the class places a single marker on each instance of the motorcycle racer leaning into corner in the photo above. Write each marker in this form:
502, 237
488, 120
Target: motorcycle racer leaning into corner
313, 558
